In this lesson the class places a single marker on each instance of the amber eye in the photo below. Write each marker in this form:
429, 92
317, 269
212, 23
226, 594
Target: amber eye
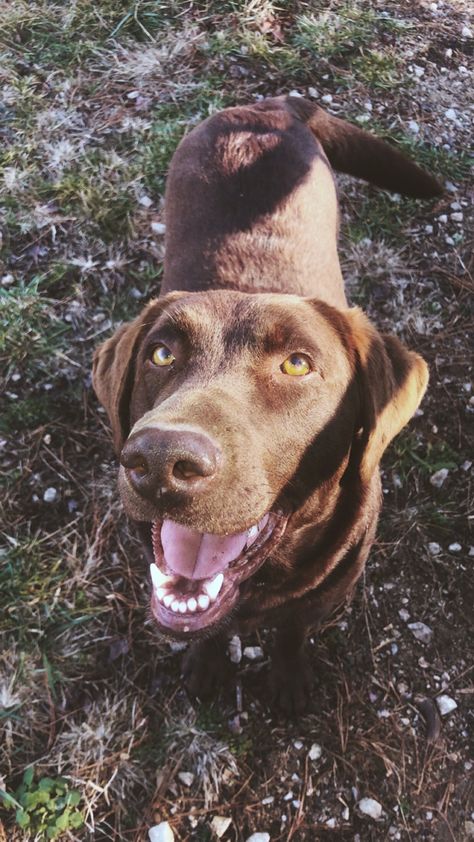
162, 356
296, 365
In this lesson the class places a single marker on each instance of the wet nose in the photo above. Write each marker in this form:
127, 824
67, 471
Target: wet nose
169, 460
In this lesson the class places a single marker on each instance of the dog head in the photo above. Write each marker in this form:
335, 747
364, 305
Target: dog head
236, 418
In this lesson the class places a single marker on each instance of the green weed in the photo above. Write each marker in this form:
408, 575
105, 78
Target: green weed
46, 808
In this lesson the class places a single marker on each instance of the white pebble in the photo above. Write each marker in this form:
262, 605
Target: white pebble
158, 227
439, 478
457, 217
370, 807
186, 778
235, 649
429, 229
423, 663
434, 548
326, 98
413, 127
268, 800
259, 837
466, 32
455, 547
253, 653
404, 615
445, 705
418, 71
296, 93
50, 495
443, 218
145, 201
466, 465
331, 823
450, 114
421, 631
313, 92
220, 824
161, 833
298, 745
315, 752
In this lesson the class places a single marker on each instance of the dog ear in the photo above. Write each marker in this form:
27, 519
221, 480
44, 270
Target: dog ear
391, 383
113, 368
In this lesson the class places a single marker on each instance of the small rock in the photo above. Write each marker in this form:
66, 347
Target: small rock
404, 615
429, 229
443, 218
315, 752
466, 32
220, 824
450, 114
158, 227
145, 201
235, 649
466, 466
268, 800
253, 653
455, 547
331, 823
370, 807
313, 92
413, 127
161, 833
421, 631
50, 495
298, 745
423, 663
439, 478
186, 778
418, 71
326, 98
259, 837
434, 548
288, 796
345, 814
445, 705
458, 216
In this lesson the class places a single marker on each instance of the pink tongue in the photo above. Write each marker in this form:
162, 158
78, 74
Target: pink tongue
198, 555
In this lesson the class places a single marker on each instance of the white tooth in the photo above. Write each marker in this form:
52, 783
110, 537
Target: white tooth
158, 577
252, 531
168, 599
182, 607
175, 606
192, 604
203, 601
160, 592
213, 587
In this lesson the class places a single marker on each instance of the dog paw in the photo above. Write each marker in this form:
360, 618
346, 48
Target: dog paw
203, 668
291, 686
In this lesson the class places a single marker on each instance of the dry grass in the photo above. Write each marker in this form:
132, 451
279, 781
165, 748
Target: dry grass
95, 98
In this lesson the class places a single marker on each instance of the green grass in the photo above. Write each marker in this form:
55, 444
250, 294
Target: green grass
30, 331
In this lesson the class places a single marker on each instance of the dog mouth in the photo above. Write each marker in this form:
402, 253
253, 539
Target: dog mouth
196, 575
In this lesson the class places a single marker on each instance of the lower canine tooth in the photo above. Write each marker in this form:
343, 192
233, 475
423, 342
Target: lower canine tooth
192, 604
213, 587
203, 601
158, 577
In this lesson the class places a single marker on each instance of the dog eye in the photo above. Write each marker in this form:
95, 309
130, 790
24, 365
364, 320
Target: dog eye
162, 356
296, 365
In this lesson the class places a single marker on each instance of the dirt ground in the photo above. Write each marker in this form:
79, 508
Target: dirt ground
95, 97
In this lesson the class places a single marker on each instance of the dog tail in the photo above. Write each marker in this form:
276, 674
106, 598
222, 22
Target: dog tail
358, 153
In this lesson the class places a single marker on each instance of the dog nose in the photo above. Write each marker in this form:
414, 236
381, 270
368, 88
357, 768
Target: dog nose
169, 460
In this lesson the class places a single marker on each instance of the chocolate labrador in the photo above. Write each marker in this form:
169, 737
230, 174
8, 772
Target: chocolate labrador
249, 405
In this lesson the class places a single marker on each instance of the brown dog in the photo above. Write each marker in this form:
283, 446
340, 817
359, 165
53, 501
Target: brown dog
249, 406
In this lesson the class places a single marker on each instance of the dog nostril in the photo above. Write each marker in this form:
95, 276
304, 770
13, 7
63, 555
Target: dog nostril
186, 470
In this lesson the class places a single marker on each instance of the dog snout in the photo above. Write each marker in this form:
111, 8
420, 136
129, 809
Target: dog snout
159, 460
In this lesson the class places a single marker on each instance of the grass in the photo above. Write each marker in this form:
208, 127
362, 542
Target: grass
95, 99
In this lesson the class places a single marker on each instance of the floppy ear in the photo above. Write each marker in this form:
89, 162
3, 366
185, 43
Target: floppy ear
392, 381
113, 368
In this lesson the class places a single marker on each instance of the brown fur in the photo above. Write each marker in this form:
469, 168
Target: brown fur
251, 220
